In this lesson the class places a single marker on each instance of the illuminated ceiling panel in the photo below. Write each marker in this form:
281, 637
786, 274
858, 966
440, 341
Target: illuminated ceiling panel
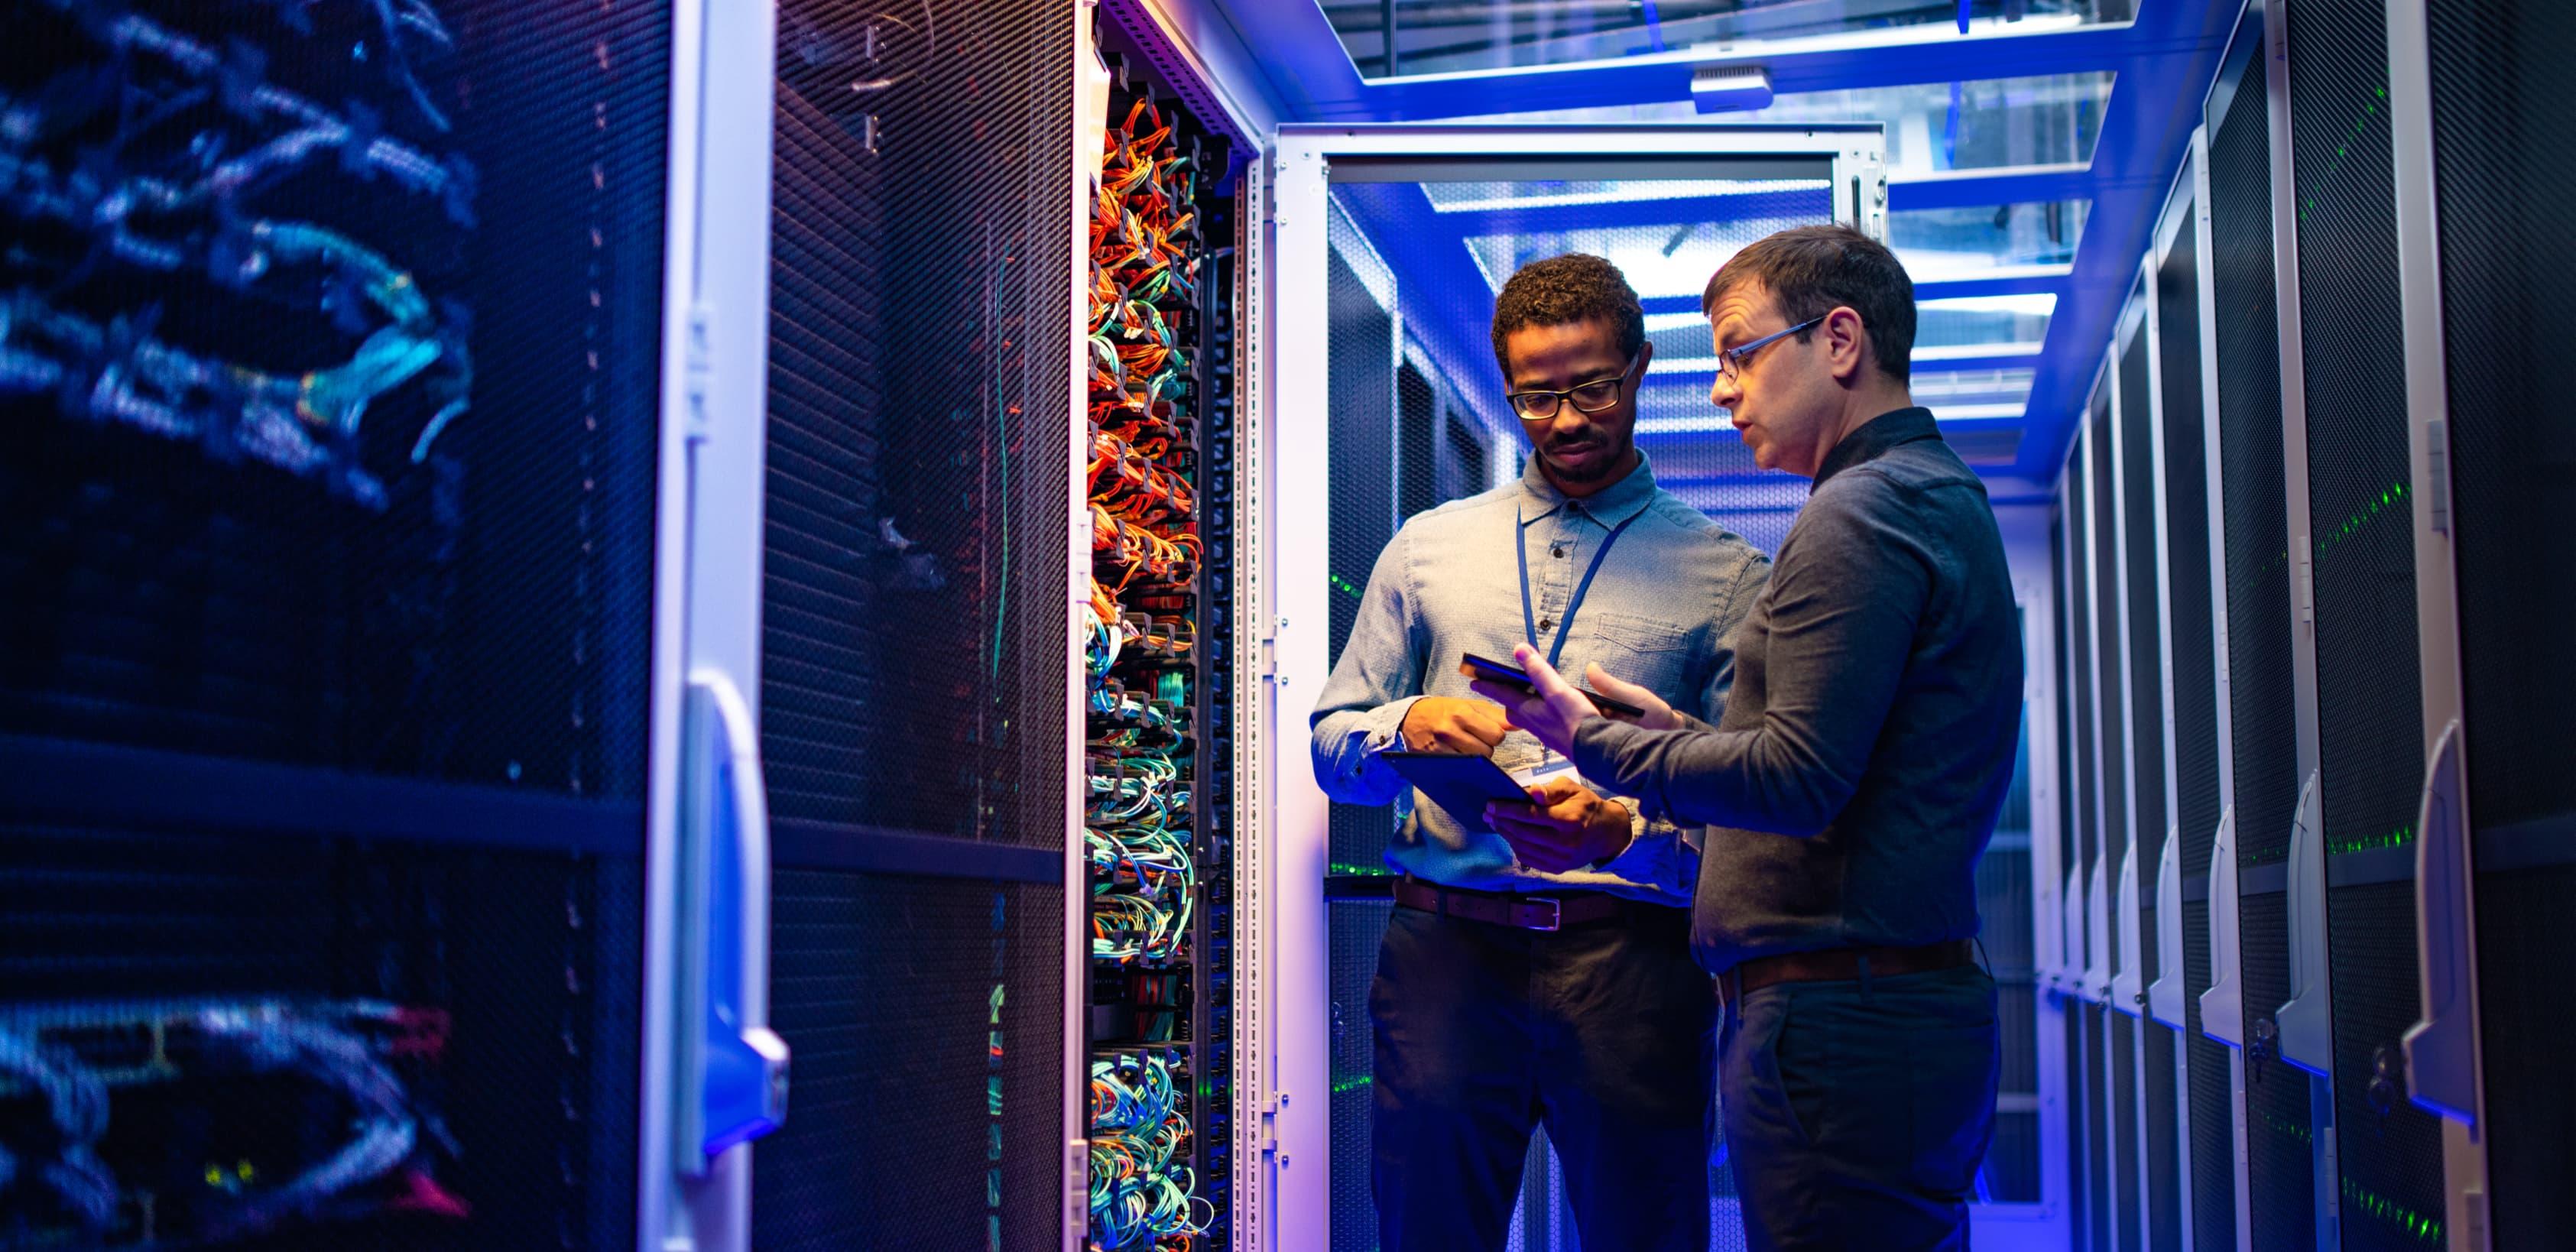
1979, 124
1455, 36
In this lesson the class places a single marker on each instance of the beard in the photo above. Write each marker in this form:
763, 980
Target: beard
1584, 460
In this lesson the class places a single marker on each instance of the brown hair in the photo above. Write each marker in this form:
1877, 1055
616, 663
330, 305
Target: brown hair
1576, 287
1811, 269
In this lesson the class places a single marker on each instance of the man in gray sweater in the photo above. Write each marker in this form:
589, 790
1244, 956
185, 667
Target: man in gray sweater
1855, 776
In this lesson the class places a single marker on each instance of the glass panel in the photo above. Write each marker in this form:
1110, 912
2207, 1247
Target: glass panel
1452, 36
2004, 323
1989, 123
1962, 242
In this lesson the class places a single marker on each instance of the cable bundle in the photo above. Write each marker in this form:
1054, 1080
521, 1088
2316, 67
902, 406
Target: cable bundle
1139, 656
1140, 1184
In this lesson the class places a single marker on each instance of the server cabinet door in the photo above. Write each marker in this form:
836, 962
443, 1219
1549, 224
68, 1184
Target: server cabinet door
340, 617
2480, 147
918, 663
2358, 550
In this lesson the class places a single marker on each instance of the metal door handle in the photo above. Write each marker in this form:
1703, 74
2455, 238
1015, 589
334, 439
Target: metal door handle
2128, 990
2222, 1007
2442, 1049
733, 1068
2164, 996
2307, 1020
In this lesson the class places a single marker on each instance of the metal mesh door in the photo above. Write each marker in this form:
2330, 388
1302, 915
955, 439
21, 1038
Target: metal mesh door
2260, 713
2110, 664
331, 363
2091, 1172
914, 675
2362, 549
914, 651
927, 1017
2159, 1113
2211, 1149
343, 457
2501, 117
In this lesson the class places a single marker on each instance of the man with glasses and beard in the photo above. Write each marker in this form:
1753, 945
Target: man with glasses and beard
1854, 777
1539, 973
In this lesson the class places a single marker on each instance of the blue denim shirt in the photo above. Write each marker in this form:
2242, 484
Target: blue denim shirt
1662, 612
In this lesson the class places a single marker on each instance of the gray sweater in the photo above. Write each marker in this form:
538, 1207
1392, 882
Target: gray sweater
1855, 775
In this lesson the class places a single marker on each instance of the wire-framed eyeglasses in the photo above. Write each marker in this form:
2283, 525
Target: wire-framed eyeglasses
1730, 361
1591, 397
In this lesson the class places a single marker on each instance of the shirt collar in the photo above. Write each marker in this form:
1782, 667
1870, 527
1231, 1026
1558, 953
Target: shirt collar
1875, 438
1609, 506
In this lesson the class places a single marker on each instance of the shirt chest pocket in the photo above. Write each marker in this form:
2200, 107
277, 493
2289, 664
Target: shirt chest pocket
1647, 651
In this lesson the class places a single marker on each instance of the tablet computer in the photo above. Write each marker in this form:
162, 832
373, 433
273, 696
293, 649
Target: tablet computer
1518, 679
1460, 783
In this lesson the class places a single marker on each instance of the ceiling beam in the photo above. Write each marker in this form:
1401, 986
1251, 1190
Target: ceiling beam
1316, 78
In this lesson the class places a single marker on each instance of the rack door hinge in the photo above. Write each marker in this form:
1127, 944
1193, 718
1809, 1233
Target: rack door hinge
2437, 473
698, 368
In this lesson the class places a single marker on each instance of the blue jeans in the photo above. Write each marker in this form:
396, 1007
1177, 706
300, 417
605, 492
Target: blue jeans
1858, 1112
1602, 1032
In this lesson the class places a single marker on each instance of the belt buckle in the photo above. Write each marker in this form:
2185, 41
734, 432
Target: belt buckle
1555, 914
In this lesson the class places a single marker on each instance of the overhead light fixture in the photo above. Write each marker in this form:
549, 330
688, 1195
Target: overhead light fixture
1721, 89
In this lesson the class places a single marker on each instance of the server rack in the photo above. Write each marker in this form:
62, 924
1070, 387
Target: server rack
2091, 1142
2115, 1050
2382, 1162
367, 682
2162, 1119
2158, 1217
2185, 313
2490, 469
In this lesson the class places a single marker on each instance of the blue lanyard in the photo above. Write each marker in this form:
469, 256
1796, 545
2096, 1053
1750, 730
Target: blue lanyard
1565, 624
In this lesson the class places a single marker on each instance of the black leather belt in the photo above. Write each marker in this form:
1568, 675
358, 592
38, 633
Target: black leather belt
1540, 913
1842, 965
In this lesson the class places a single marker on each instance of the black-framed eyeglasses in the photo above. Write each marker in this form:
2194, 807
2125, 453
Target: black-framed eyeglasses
1730, 362
1591, 397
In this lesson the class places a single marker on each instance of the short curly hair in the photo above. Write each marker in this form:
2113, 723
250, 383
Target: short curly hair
1576, 287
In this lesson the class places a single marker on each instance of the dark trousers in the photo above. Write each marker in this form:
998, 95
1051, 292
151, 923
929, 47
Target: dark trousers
1857, 1113
1602, 1032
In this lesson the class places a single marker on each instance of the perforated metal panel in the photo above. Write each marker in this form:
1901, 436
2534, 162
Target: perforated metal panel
1362, 509
918, 404
927, 1020
185, 563
2501, 118
2211, 1151
517, 974
2194, 687
2079, 645
1358, 927
2262, 729
2126, 1181
2079, 1139
2110, 658
2101, 1194
2260, 712
2164, 1138
2146, 722
332, 370
2361, 541
2064, 597
2187, 545
2280, 1142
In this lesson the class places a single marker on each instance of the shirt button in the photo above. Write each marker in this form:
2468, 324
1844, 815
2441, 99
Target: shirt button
1558, 553
1547, 623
